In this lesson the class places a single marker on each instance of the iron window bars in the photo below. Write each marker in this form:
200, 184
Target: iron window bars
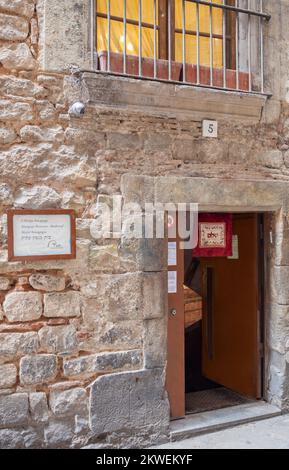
242, 43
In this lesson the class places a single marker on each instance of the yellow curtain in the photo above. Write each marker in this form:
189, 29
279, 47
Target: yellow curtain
117, 30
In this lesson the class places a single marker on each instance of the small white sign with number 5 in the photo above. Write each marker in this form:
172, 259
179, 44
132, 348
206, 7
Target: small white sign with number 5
210, 128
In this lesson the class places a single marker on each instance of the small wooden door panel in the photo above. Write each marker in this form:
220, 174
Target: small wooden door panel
231, 340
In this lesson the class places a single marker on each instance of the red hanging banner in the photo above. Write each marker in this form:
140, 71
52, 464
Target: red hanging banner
215, 235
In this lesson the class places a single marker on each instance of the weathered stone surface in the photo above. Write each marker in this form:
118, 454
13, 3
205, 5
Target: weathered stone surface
16, 344
154, 295
6, 195
38, 407
14, 409
57, 434
46, 110
23, 306
103, 335
13, 28
11, 439
38, 369
17, 57
47, 282
5, 283
41, 134
118, 296
155, 343
69, 402
278, 328
8, 375
280, 285
104, 258
20, 7
129, 400
10, 85
66, 304
103, 362
11, 111
270, 159
58, 339
7, 136
38, 197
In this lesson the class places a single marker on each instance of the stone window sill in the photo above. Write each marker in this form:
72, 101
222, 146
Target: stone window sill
182, 101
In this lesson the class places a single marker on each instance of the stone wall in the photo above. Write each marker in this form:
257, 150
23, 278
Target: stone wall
77, 338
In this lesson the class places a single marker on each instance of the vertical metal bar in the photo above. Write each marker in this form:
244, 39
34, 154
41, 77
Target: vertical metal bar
140, 37
94, 59
184, 38
249, 48
262, 46
198, 41
237, 47
124, 38
155, 38
211, 46
108, 35
224, 13
170, 37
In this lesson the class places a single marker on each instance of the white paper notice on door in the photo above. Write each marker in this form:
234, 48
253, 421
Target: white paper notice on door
172, 282
172, 253
235, 248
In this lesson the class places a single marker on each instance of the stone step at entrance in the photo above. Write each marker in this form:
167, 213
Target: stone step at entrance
212, 421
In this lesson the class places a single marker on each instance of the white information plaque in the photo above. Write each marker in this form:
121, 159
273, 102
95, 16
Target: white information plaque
172, 282
41, 234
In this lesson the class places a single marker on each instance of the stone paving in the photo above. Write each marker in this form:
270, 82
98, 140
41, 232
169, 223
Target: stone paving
268, 434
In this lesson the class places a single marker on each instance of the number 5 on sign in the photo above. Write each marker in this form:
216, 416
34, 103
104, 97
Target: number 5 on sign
210, 128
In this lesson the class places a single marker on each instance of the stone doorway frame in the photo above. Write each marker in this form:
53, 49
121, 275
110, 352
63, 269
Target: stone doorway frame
220, 195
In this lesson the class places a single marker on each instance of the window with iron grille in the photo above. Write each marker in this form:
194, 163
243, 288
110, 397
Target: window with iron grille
209, 43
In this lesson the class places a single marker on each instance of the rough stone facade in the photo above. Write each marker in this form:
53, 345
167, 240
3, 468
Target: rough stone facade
77, 338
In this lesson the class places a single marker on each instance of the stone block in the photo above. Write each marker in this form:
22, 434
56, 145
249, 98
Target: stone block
104, 258
38, 407
102, 363
41, 134
8, 375
10, 85
129, 400
17, 57
118, 296
7, 136
13, 28
38, 369
66, 304
13, 345
155, 343
23, 306
57, 434
11, 439
14, 409
15, 111
58, 339
69, 402
154, 295
5, 283
19, 7
280, 285
47, 282
37, 197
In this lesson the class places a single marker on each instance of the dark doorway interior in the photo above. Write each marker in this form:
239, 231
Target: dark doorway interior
203, 394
